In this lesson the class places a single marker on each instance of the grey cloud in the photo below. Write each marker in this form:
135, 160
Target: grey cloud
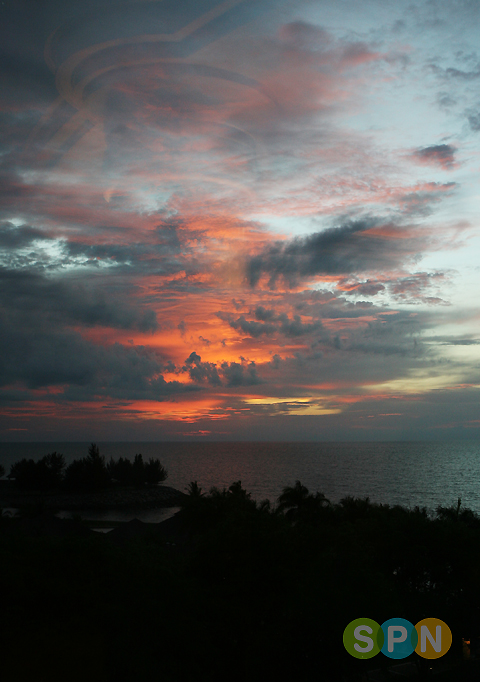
271, 324
446, 100
305, 36
264, 314
340, 251
474, 121
296, 327
201, 371
421, 202
163, 253
234, 373
21, 236
160, 251
397, 336
417, 287
39, 357
452, 340
252, 328
442, 155
471, 75
38, 349
276, 359
25, 293
238, 374
367, 288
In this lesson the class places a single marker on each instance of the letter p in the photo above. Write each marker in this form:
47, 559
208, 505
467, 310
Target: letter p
392, 640
398, 634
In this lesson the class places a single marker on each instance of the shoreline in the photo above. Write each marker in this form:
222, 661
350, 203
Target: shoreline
154, 497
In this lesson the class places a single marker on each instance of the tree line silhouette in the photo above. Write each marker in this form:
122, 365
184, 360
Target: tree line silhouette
91, 473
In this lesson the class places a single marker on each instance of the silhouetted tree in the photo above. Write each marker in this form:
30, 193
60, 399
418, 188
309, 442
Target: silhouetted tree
154, 472
2, 471
89, 473
138, 472
54, 464
76, 475
194, 491
296, 501
96, 468
44, 474
23, 473
121, 471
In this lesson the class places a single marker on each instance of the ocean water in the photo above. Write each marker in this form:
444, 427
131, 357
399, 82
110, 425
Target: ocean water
426, 474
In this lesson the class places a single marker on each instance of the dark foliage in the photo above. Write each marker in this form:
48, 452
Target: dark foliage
88, 474
238, 591
138, 472
120, 470
154, 472
45, 474
2, 471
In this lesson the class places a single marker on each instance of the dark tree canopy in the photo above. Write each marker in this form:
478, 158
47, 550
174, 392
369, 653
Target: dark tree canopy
45, 474
90, 473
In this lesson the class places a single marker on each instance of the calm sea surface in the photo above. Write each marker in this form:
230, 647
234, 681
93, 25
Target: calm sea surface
422, 473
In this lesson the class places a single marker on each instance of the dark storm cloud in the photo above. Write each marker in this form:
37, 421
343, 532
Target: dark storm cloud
264, 314
391, 335
234, 373
18, 237
276, 324
442, 155
38, 347
237, 374
25, 83
252, 328
159, 251
27, 295
166, 243
201, 371
342, 250
41, 356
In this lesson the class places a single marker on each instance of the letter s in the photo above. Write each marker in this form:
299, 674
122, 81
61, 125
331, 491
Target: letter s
362, 638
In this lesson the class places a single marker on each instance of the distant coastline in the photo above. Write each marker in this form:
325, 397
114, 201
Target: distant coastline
149, 497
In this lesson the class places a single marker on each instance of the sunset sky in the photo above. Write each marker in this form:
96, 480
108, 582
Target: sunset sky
236, 220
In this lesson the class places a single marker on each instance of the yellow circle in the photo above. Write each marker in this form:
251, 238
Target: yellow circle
434, 638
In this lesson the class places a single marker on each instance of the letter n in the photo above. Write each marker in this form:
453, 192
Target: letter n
426, 634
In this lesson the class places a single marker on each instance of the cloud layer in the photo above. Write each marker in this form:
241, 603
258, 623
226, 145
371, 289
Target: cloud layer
246, 217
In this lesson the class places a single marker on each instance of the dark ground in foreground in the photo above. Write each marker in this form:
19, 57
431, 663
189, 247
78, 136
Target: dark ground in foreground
146, 497
229, 589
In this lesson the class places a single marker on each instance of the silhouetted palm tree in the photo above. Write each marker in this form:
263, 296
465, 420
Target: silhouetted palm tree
194, 491
296, 500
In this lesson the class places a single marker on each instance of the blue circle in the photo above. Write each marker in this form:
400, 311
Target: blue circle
400, 638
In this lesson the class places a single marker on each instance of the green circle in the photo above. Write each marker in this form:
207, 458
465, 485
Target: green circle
363, 638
